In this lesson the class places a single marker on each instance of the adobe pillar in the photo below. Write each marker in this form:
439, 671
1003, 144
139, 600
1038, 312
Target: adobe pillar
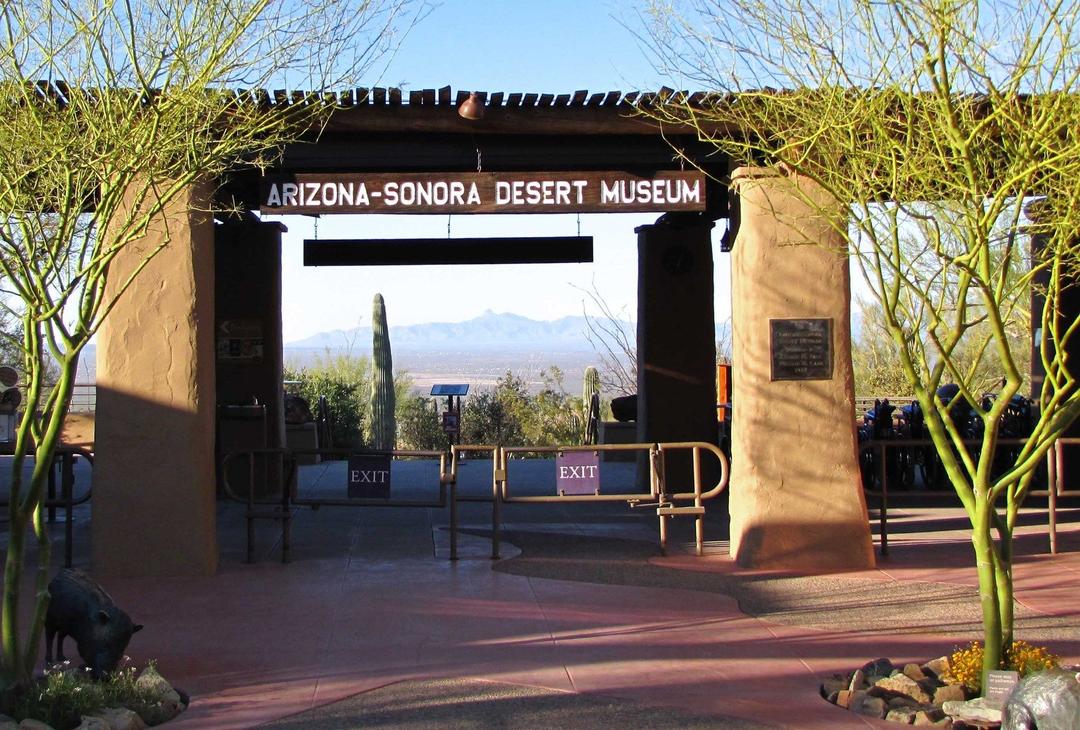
154, 499
676, 340
796, 497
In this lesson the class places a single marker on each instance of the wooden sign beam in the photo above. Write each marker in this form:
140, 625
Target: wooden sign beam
484, 192
428, 251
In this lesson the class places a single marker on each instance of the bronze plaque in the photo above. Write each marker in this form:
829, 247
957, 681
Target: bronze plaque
801, 349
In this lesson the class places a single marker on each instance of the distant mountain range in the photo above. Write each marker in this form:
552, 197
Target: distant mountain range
489, 331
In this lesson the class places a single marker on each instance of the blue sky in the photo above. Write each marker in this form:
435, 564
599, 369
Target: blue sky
555, 46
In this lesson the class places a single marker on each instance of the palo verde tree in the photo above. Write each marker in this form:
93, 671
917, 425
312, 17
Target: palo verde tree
955, 121
110, 111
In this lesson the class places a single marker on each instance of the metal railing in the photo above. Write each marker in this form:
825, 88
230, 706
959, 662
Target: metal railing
63, 466
663, 500
284, 499
1055, 479
281, 506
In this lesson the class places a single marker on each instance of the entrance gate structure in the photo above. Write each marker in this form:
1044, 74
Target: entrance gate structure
201, 326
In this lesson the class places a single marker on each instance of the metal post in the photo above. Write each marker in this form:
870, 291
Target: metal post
453, 519
251, 509
884, 516
499, 464
699, 520
67, 486
1054, 468
286, 518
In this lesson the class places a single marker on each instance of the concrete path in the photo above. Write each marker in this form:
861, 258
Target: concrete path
585, 624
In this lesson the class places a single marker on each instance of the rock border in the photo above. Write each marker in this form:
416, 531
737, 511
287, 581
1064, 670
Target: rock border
914, 694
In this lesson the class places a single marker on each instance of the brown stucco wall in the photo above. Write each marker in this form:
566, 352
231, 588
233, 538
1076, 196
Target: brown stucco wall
154, 502
796, 498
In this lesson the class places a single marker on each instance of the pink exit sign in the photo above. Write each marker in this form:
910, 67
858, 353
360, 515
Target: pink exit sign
577, 472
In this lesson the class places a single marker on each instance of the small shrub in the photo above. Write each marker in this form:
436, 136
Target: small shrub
965, 665
420, 425
62, 697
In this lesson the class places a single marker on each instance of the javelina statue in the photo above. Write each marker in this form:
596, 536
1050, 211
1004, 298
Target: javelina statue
81, 609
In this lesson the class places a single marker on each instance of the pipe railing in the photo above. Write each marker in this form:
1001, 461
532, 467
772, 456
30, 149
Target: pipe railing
1055, 479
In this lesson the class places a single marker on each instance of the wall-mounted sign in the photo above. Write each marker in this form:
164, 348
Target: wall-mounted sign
801, 349
577, 472
240, 340
484, 192
369, 476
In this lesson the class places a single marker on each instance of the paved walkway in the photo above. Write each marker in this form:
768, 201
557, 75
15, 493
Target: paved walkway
585, 624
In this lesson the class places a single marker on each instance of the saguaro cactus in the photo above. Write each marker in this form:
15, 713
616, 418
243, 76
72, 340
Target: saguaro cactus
383, 423
590, 391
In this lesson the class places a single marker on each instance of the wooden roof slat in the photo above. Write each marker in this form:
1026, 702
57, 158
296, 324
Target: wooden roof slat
444, 95
629, 98
697, 98
281, 97
612, 98
262, 98
595, 100
514, 100
395, 96
298, 98
427, 97
378, 96
562, 100
363, 96
579, 98
496, 99
545, 100
461, 97
529, 100
416, 98
346, 98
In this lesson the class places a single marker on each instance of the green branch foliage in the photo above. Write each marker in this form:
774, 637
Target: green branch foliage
109, 112
950, 132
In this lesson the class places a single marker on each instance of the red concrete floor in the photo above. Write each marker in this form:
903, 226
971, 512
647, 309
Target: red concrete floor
369, 599
260, 642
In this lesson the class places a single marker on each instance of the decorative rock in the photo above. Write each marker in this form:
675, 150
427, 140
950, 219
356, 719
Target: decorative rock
905, 716
834, 684
29, 724
929, 716
864, 704
878, 668
938, 667
858, 680
974, 711
93, 723
914, 672
902, 702
169, 703
906, 686
950, 693
1048, 700
843, 698
120, 718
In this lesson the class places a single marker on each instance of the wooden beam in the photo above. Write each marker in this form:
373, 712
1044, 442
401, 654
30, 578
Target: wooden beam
441, 251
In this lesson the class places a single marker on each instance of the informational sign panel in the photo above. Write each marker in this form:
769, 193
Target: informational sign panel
999, 684
801, 349
240, 340
451, 422
483, 192
577, 472
369, 476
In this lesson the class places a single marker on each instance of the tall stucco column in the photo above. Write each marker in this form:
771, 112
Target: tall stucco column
676, 342
796, 498
154, 493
